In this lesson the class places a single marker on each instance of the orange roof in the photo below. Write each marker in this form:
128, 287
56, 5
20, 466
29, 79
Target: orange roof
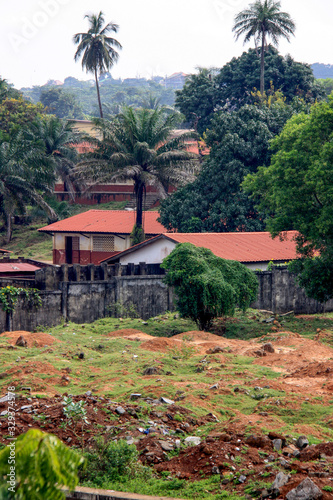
105, 221
243, 247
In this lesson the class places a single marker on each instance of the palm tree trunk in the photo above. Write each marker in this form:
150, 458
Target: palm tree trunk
9, 228
262, 65
98, 94
139, 204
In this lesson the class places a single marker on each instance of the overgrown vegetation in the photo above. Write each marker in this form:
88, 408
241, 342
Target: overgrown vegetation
207, 286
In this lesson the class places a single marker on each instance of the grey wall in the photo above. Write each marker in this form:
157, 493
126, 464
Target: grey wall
279, 292
83, 294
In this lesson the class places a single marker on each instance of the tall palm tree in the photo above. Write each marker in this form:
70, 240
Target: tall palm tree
138, 145
59, 139
97, 48
24, 173
263, 19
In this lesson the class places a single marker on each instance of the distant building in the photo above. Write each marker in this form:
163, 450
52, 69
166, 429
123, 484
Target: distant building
54, 82
175, 81
95, 235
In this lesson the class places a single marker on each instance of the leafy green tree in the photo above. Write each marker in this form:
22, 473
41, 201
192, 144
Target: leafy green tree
15, 114
239, 144
233, 86
241, 76
59, 138
43, 465
207, 286
297, 187
7, 91
25, 173
262, 20
327, 85
138, 145
197, 99
97, 49
60, 103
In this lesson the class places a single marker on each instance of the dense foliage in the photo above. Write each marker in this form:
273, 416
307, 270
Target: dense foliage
114, 95
232, 86
108, 462
43, 464
138, 145
298, 188
239, 144
263, 19
207, 286
25, 175
16, 114
60, 102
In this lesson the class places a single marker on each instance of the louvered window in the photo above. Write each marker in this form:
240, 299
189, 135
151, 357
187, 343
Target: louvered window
103, 243
75, 243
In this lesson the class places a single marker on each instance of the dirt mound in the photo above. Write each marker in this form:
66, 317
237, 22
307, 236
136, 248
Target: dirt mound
160, 344
40, 339
314, 370
197, 336
130, 334
35, 368
324, 335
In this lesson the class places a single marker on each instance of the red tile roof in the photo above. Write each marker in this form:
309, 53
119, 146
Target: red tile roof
106, 221
244, 247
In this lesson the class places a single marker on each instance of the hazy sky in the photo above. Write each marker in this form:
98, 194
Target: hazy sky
159, 37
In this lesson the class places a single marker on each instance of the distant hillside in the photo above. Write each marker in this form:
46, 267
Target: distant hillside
322, 70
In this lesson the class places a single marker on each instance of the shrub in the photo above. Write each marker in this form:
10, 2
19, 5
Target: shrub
108, 462
207, 286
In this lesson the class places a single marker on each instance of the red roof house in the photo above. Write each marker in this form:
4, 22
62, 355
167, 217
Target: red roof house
95, 235
254, 250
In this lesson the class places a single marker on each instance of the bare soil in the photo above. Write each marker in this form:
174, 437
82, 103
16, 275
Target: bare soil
238, 445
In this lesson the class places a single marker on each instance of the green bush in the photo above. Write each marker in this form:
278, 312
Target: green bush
207, 286
109, 462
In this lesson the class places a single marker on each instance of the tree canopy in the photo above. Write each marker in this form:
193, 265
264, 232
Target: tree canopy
239, 144
61, 103
262, 20
232, 86
297, 187
138, 145
15, 114
207, 286
97, 48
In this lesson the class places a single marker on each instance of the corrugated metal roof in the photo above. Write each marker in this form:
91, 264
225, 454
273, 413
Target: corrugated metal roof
106, 221
243, 247
15, 267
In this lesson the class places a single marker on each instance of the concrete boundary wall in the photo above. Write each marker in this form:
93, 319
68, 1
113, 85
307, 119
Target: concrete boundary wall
97, 494
84, 294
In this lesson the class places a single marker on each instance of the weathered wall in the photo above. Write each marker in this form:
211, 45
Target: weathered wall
83, 294
279, 292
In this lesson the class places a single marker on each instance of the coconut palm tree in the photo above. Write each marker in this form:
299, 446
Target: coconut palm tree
263, 19
25, 172
97, 48
139, 145
59, 139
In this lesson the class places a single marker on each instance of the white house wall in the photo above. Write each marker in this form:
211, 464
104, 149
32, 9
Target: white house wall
153, 253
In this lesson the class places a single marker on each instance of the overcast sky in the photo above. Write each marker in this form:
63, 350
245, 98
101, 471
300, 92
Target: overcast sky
159, 37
